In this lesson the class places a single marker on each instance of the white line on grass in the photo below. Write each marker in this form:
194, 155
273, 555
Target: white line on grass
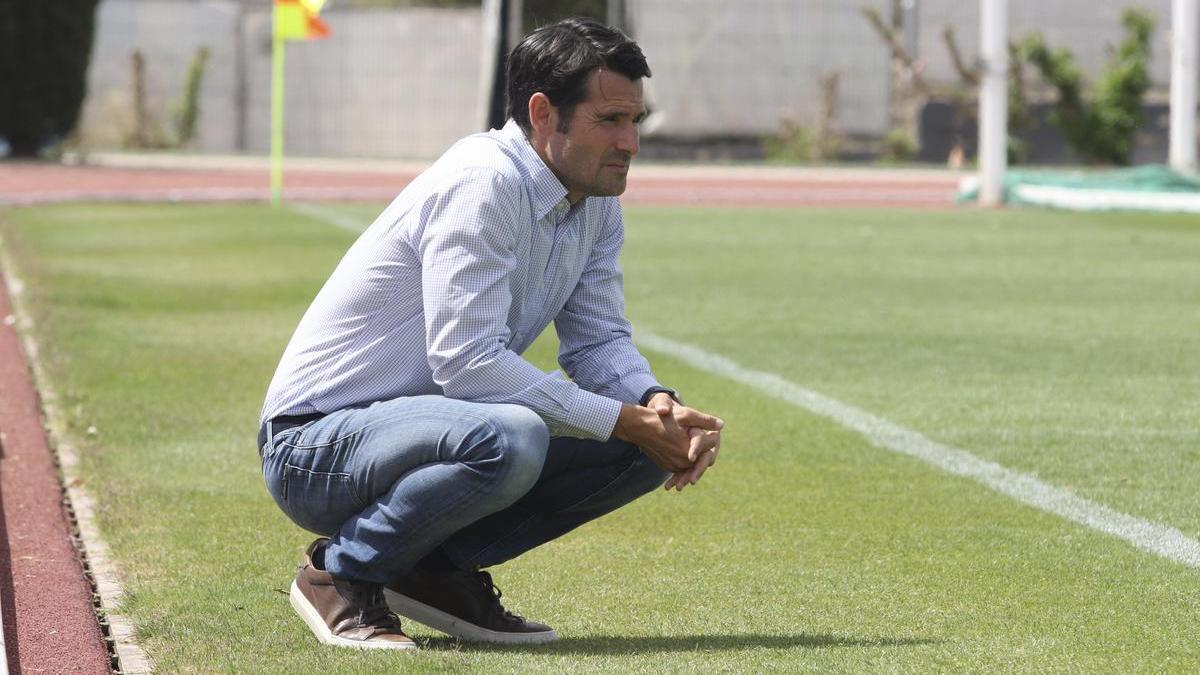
1159, 539
331, 216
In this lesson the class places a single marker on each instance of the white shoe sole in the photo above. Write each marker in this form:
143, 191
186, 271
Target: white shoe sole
317, 625
454, 626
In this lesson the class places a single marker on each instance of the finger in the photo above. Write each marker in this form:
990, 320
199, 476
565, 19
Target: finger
661, 403
698, 470
701, 442
695, 443
701, 466
690, 417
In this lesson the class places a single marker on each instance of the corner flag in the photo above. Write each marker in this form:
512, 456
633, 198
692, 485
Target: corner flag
299, 20
293, 20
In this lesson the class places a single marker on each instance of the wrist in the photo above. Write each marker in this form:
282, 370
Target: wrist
626, 421
650, 393
633, 423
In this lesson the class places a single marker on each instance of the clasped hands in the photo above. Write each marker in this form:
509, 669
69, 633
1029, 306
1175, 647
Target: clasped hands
677, 438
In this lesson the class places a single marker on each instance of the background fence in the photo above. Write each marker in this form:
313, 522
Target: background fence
406, 82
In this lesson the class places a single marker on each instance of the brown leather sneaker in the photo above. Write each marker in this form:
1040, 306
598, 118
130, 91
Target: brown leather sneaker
463, 604
343, 612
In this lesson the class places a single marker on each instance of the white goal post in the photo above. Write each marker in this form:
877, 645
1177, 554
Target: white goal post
993, 100
993, 108
1184, 20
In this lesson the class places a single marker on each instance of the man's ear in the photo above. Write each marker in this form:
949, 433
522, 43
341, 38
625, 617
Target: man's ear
543, 116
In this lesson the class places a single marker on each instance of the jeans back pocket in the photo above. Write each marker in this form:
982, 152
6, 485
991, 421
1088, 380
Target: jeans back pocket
319, 501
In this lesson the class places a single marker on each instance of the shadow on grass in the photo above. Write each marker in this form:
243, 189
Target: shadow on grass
620, 644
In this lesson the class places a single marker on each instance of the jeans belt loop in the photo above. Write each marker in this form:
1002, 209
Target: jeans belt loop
270, 435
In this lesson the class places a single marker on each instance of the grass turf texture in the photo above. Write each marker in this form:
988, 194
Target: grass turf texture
1058, 344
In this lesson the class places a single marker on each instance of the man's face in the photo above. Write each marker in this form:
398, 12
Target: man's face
592, 156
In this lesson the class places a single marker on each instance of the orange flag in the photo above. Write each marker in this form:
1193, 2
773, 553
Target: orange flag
299, 20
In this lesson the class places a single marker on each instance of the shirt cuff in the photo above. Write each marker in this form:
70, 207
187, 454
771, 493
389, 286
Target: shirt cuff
593, 415
635, 385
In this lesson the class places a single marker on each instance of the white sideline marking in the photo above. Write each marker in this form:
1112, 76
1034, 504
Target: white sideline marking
1158, 539
330, 216
1153, 537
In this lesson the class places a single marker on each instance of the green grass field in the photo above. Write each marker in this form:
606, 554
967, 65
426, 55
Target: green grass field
1065, 346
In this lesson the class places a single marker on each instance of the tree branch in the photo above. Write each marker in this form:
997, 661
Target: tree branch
969, 76
891, 37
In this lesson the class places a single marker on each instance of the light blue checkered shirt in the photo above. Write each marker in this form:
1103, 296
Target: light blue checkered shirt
455, 279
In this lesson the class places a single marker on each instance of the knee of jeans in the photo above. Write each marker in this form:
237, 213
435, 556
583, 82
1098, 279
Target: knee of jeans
523, 440
646, 476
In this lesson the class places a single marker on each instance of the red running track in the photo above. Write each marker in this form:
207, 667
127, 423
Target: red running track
28, 183
49, 621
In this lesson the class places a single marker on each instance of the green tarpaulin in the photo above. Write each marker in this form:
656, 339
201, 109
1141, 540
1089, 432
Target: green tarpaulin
1144, 188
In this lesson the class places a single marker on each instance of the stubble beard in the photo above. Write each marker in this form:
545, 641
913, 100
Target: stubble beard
610, 183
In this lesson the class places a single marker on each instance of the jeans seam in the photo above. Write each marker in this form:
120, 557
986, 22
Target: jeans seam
457, 504
350, 480
473, 493
364, 428
449, 508
354, 487
478, 554
291, 469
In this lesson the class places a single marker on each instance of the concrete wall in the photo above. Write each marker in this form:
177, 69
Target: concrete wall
734, 68
168, 34
389, 84
406, 83
1089, 28
738, 68
395, 83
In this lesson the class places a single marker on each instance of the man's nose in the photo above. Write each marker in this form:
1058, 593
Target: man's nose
628, 141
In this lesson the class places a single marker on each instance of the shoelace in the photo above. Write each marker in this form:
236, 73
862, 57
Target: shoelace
486, 580
375, 612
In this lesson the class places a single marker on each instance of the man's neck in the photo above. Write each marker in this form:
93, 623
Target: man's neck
541, 146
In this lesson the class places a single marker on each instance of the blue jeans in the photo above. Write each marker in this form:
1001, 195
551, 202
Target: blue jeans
391, 482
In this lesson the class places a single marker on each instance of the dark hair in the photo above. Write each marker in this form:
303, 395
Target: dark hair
557, 60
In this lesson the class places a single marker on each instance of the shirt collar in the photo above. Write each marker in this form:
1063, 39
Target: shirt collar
545, 190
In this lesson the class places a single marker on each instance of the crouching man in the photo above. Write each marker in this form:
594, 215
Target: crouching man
403, 423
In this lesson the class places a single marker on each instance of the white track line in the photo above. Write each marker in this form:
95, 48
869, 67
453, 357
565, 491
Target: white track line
1153, 537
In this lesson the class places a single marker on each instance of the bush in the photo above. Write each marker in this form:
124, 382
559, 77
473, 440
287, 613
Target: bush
794, 143
1104, 128
187, 109
898, 146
